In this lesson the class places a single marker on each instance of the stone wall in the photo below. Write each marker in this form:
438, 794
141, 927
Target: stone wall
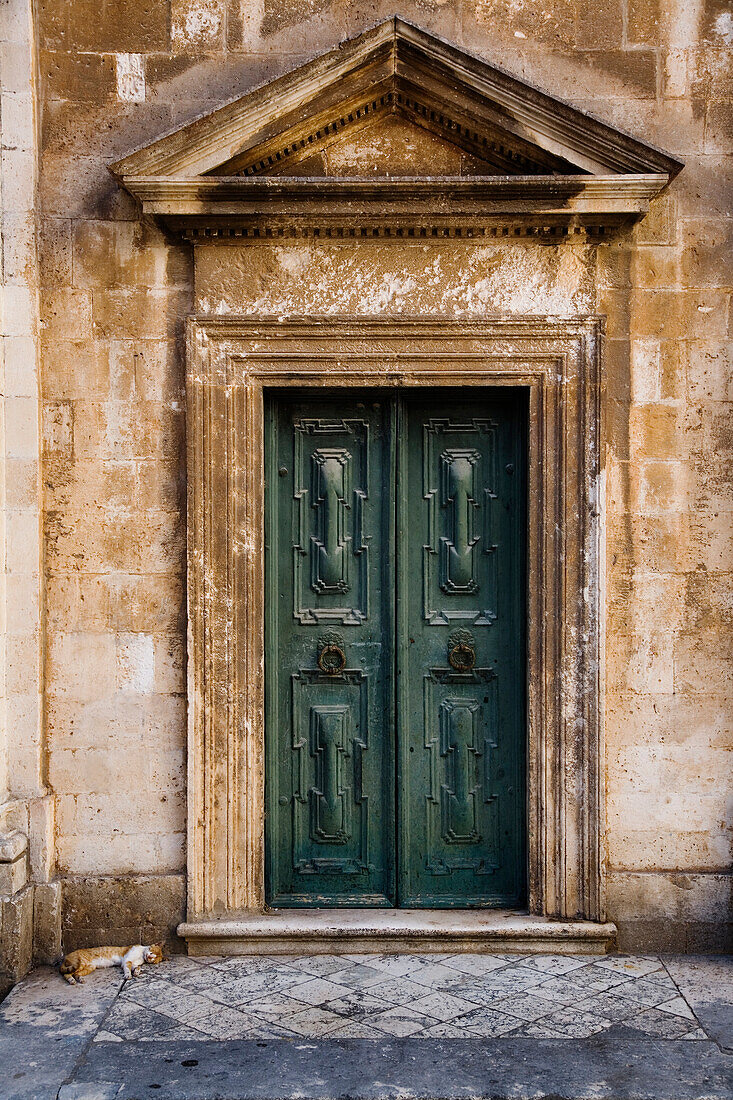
26, 807
114, 295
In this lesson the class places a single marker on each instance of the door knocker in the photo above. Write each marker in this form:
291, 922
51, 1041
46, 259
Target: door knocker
331, 655
461, 651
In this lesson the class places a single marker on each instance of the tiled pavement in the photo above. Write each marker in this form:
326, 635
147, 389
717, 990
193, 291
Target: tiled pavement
376, 1027
418, 996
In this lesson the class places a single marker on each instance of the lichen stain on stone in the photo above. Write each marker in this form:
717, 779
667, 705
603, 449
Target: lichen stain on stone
196, 22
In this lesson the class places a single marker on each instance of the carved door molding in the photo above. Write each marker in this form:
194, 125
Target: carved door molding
230, 362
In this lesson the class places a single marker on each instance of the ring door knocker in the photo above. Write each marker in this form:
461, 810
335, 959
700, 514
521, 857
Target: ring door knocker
331, 655
461, 651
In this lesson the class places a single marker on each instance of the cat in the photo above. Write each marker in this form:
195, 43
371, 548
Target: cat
131, 959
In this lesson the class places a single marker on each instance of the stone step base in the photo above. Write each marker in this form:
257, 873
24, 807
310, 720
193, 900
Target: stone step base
342, 931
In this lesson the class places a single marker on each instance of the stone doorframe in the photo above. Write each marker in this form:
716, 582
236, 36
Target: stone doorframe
231, 361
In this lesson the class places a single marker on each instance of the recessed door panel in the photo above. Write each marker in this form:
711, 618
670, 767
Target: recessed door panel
330, 653
460, 672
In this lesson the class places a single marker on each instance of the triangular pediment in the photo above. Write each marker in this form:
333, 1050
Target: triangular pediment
393, 127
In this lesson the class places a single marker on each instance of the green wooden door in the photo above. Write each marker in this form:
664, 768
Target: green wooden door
395, 650
460, 653
330, 652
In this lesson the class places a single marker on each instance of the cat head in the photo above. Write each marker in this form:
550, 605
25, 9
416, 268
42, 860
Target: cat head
154, 953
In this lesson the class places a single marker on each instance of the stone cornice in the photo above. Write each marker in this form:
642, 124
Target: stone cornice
555, 167
220, 207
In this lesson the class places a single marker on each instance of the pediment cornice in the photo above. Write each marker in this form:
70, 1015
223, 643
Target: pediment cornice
540, 166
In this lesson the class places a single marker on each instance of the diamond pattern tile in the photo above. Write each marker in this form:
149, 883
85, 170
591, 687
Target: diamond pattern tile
373, 996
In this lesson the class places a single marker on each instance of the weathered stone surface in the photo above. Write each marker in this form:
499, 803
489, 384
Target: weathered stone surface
16, 940
122, 909
326, 1026
114, 296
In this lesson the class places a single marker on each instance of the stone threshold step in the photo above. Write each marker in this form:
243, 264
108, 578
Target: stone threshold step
340, 931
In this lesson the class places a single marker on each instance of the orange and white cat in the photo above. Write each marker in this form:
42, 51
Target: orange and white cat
79, 963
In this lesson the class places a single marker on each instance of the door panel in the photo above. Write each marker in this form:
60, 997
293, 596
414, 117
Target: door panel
460, 652
330, 631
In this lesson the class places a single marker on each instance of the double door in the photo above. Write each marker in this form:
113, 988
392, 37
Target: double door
395, 664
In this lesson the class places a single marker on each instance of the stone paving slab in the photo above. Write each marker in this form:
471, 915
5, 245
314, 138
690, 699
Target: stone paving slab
316, 1027
453, 1069
429, 996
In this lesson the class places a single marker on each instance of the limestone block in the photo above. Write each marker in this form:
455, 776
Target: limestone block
150, 367
21, 537
157, 722
13, 876
668, 314
22, 665
19, 252
42, 817
79, 187
67, 313
161, 483
130, 77
643, 600
122, 602
591, 73
702, 664
47, 923
79, 77
675, 77
139, 312
23, 714
661, 486
21, 426
660, 224
655, 267
718, 127
139, 811
707, 602
135, 663
121, 854
642, 664
594, 33
713, 483
90, 770
89, 429
16, 933
718, 427
89, 378
707, 250
18, 171
21, 489
709, 181
127, 254
81, 666
672, 123
142, 907
57, 428
54, 248
170, 665
14, 52
129, 26
668, 895
13, 845
21, 367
